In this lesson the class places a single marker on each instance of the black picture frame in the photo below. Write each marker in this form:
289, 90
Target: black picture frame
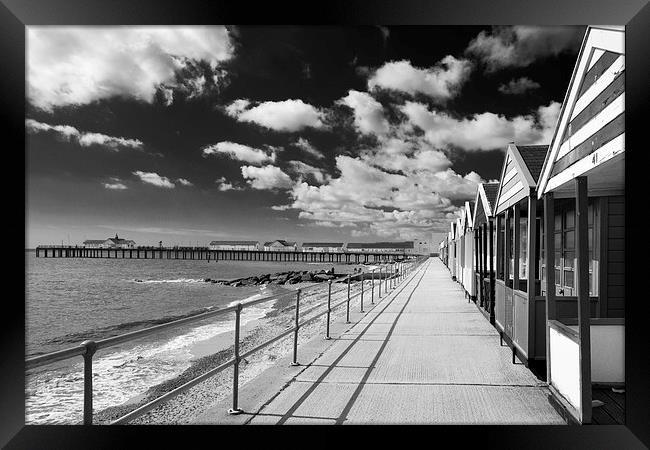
635, 14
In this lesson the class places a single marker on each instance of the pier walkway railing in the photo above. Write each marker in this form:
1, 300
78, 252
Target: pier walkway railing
208, 254
390, 275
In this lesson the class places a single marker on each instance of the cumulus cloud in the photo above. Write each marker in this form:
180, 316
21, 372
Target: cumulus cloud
84, 139
519, 46
241, 152
115, 184
77, 65
485, 131
305, 145
288, 115
518, 86
184, 182
266, 177
368, 113
224, 185
305, 170
381, 203
154, 179
280, 207
439, 82
403, 185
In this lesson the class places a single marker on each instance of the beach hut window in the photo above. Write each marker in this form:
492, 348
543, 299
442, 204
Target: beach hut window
501, 249
462, 251
511, 248
565, 242
542, 263
494, 243
523, 244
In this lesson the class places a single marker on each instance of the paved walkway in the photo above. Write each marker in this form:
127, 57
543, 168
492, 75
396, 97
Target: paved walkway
422, 355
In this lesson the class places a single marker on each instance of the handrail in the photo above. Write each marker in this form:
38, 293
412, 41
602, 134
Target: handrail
88, 348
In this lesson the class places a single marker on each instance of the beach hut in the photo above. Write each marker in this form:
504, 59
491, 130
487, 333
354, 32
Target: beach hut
519, 304
444, 253
582, 189
460, 250
466, 268
452, 250
484, 242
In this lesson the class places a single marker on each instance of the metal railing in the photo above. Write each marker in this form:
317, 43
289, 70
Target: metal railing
395, 273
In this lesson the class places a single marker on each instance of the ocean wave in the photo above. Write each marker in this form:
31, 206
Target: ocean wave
113, 330
175, 280
124, 327
121, 374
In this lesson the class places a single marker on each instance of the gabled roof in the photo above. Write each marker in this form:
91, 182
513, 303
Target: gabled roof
486, 195
460, 225
468, 215
282, 242
119, 240
533, 156
491, 191
590, 129
519, 174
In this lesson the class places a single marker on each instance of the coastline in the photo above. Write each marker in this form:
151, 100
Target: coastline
216, 350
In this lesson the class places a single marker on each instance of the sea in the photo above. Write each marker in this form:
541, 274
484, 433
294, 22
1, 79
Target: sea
69, 300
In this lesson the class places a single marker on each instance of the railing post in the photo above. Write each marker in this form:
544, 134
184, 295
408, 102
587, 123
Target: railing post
295, 331
347, 312
372, 295
379, 282
235, 382
362, 292
91, 348
329, 308
386, 281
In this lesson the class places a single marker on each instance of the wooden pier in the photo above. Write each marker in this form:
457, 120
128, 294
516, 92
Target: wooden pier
206, 254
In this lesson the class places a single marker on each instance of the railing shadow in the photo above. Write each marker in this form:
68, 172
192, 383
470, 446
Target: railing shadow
290, 413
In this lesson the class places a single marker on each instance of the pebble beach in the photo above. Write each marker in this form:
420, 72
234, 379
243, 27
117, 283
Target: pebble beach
210, 353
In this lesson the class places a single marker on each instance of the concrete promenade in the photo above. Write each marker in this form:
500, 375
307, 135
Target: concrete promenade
422, 355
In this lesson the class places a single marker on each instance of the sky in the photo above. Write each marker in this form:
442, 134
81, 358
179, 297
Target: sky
185, 134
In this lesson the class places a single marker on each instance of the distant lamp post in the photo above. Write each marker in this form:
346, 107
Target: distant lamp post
160, 244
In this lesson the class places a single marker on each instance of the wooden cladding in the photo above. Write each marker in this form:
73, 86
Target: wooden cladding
599, 115
610, 131
592, 75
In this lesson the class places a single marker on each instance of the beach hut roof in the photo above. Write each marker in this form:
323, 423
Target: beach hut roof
486, 195
589, 138
468, 216
491, 190
533, 156
518, 175
460, 225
